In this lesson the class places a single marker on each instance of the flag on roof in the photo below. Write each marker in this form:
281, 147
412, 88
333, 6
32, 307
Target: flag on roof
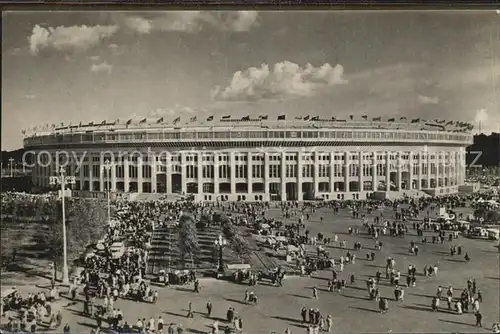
281, 117
245, 118
334, 118
210, 118
177, 120
315, 118
306, 118
365, 117
193, 119
143, 120
91, 124
298, 117
263, 117
415, 120
159, 120
449, 123
351, 117
403, 118
129, 122
377, 119
226, 117
103, 122
391, 120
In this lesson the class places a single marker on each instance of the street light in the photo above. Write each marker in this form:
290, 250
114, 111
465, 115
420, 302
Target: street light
107, 167
220, 243
11, 160
63, 180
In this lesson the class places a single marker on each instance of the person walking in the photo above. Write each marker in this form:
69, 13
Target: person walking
209, 308
315, 293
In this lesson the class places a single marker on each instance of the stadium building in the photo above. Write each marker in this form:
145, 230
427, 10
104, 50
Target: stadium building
255, 160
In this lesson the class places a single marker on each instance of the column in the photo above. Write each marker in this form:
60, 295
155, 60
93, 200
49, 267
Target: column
126, 174
200, 172
91, 174
429, 170
388, 171
361, 170
101, 174
420, 167
374, 172
332, 170
153, 164
249, 174
183, 174
300, 165
399, 171
283, 176
457, 168
216, 175
316, 174
113, 176
139, 174
266, 174
80, 172
232, 162
346, 171
410, 169
168, 172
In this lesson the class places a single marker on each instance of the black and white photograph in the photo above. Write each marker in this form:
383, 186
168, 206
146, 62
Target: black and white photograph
250, 171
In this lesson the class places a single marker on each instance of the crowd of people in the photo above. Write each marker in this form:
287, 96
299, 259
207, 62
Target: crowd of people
107, 276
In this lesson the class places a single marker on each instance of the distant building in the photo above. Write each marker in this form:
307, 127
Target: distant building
257, 160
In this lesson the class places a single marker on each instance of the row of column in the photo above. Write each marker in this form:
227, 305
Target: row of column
458, 159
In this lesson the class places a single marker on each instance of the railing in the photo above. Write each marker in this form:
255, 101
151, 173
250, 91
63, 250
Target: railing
213, 134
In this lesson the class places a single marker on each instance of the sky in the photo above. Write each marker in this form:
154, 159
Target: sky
102, 65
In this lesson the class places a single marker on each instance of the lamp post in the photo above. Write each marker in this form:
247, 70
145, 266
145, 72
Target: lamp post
220, 243
63, 180
11, 160
107, 167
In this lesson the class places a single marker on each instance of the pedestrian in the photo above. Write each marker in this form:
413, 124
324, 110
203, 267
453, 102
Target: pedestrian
209, 308
315, 293
66, 329
190, 311
479, 318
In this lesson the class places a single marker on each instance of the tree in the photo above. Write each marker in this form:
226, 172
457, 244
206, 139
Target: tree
241, 246
85, 223
188, 238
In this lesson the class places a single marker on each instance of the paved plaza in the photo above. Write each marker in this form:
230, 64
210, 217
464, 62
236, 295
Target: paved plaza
352, 311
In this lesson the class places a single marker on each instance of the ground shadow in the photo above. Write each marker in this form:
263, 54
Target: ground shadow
176, 314
287, 319
356, 297
235, 301
364, 309
457, 322
299, 296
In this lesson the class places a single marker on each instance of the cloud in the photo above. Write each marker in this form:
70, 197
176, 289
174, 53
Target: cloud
428, 100
29, 97
95, 58
68, 39
285, 80
481, 115
177, 110
189, 21
101, 67
15, 51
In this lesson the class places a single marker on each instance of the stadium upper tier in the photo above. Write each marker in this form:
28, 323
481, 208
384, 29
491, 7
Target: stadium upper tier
250, 133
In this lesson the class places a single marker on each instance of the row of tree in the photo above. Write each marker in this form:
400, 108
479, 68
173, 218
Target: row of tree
188, 235
85, 224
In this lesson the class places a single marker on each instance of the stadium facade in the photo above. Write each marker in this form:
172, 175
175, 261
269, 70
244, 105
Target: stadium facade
255, 160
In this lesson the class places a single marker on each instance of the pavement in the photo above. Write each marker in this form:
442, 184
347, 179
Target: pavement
279, 307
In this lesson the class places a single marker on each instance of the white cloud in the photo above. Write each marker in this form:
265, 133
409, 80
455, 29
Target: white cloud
189, 21
428, 100
68, 39
95, 58
15, 51
29, 96
101, 67
113, 46
286, 79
